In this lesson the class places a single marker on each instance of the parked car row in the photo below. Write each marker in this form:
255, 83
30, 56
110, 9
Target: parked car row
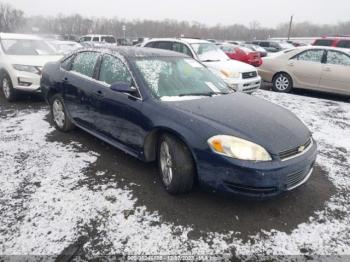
238, 76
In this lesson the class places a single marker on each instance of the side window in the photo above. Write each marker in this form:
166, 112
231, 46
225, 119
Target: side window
67, 63
181, 48
311, 56
84, 63
323, 42
86, 39
163, 45
114, 70
264, 44
344, 44
338, 58
96, 39
151, 44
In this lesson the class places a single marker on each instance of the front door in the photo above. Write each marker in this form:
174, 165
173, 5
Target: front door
306, 68
120, 117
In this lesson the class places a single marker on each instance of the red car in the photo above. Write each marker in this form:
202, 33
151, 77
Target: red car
342, 42
242, 54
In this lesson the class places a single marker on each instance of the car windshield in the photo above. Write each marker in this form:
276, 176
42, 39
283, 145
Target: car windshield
179, 77
26, 47
208, 52
286, 45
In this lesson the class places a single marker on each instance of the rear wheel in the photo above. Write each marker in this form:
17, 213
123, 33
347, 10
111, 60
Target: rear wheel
59, 114
283, 83
7, 87
176, 165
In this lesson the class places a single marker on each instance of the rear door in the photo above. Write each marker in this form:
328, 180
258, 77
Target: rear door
79, 88
336, 72
306, 68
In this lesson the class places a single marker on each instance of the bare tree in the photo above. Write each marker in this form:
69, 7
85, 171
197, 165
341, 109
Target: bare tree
10, 18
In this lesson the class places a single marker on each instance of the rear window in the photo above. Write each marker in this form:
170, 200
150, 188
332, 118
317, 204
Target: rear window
108, 39
344, 44
324, 42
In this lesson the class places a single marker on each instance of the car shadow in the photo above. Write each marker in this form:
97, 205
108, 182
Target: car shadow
204, 212
23, 102
312, 93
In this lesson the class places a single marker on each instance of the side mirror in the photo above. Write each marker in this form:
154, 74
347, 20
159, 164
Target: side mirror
123, 87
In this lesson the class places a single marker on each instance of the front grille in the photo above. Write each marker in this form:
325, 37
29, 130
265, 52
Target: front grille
250, 189
295, 151
249, 75
295, 178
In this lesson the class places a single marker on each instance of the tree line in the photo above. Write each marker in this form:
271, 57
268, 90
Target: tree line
15, 20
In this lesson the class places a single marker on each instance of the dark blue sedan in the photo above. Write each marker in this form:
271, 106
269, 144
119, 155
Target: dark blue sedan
163, 106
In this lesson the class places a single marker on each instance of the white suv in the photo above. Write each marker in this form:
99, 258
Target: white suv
239, 76
98, 38
22, 58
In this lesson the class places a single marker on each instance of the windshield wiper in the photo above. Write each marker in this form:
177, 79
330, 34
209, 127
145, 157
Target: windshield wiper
205, 94
198, 94
210, 60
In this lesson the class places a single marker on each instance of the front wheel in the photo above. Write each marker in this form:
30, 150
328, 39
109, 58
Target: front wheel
283, 83
7, 87
176, 165
59, 114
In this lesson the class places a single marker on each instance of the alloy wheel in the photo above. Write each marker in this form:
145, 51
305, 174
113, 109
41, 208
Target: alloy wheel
6, 88
282, 83
58, 113
166, 163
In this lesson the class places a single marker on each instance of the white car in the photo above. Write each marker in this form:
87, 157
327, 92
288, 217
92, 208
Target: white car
65, 47
239, 76
98, 38
22, 58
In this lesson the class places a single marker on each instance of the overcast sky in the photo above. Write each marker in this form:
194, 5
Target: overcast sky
210, 12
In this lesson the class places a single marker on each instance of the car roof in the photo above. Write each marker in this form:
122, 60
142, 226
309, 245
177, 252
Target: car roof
186, 40
334, 38
345, 50
130, 51
19, 36
96, 35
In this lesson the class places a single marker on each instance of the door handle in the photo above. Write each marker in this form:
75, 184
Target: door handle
291, 64
327, 69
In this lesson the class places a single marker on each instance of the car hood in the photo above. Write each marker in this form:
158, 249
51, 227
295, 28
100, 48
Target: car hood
35, 60
230, 65
254, 119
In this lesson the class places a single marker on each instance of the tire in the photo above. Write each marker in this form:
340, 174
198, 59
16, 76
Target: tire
7, 88
282, 83
59, 114
180, 164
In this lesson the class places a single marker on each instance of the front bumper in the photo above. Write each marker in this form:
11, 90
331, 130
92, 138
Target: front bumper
27, 82
254, 179
245, 85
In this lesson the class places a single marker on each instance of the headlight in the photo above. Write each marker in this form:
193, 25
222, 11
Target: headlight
238, 148
230, 74
27, 68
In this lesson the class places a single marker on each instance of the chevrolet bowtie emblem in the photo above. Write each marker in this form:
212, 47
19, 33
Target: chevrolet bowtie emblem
301, 149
